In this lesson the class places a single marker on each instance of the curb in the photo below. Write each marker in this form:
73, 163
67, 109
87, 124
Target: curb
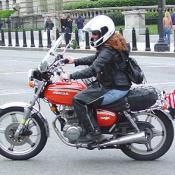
88, 51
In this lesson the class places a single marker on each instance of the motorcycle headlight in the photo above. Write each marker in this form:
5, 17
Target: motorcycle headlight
34, 84
31, 74
30, 78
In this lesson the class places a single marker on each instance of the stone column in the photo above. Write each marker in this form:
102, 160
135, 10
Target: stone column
55, 5
136, 19
40, 6
26, 7
11, 4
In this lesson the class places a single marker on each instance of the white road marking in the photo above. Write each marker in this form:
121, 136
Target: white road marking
30, 91
158, 64
9, 73
15, 92
22, 61
162, 66
80, 68
166, 83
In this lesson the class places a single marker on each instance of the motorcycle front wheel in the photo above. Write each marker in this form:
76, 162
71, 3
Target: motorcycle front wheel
160, 137
29, 143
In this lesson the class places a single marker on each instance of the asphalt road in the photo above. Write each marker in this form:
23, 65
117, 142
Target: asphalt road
58, 159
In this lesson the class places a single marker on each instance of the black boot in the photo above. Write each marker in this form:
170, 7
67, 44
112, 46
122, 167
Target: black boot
86, 115
91, 116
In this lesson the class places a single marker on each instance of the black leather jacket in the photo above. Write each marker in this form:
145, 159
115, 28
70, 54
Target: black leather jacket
105, 67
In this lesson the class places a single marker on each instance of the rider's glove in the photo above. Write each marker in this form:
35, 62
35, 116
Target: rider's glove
65, 61
65, 77
69, 60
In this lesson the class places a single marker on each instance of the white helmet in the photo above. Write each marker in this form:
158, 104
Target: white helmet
104, 25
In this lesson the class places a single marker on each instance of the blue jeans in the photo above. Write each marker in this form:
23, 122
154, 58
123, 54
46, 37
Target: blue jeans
167, 32
113, 95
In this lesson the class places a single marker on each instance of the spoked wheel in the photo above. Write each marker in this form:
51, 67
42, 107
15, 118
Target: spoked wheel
159, 138
29, 143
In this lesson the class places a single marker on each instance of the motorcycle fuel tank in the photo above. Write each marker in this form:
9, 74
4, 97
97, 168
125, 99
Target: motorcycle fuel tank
63, 92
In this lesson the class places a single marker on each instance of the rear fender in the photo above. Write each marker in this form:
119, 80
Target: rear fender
35, 111
163, 112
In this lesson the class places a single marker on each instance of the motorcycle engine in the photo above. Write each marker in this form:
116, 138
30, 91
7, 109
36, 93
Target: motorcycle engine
72, 132
71, 129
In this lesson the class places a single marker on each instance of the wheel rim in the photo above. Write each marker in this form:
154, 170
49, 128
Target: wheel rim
157, 136
24, 144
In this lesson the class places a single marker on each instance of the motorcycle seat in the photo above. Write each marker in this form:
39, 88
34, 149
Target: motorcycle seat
138, 98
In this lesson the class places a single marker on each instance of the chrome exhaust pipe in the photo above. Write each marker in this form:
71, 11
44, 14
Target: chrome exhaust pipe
134, 138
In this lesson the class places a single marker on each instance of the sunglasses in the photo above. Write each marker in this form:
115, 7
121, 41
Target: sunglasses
95, 33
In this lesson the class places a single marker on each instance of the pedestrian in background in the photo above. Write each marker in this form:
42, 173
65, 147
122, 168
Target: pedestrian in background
173, 18
80, 24
1, 24
68, 29
63, 23
48, 24
167, 26
9, 22
173, 22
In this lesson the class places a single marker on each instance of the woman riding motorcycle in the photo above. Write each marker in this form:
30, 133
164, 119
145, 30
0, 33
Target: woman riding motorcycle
112, 83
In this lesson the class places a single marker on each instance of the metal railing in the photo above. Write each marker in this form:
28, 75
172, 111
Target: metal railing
91, 12
37, 39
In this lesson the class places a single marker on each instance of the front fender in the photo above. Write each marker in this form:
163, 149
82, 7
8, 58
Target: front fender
35, 111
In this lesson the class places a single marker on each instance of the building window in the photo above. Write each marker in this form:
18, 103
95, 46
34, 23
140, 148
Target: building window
14, 1
0, 5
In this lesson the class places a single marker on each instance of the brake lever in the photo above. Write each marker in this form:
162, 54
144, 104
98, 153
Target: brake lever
60, 64
60, 56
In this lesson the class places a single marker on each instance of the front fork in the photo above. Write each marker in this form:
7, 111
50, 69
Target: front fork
28, 110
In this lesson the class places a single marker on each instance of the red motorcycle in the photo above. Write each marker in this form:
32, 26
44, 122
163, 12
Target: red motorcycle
136, 124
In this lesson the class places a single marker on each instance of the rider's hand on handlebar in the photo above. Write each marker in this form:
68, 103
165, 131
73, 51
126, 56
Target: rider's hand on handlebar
69, 60
65, 77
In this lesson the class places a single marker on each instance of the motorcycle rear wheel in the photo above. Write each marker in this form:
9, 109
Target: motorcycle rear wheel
25, 147
151, 153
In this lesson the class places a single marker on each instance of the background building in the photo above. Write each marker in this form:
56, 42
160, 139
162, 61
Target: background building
32, 13
34, 6
6, 4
